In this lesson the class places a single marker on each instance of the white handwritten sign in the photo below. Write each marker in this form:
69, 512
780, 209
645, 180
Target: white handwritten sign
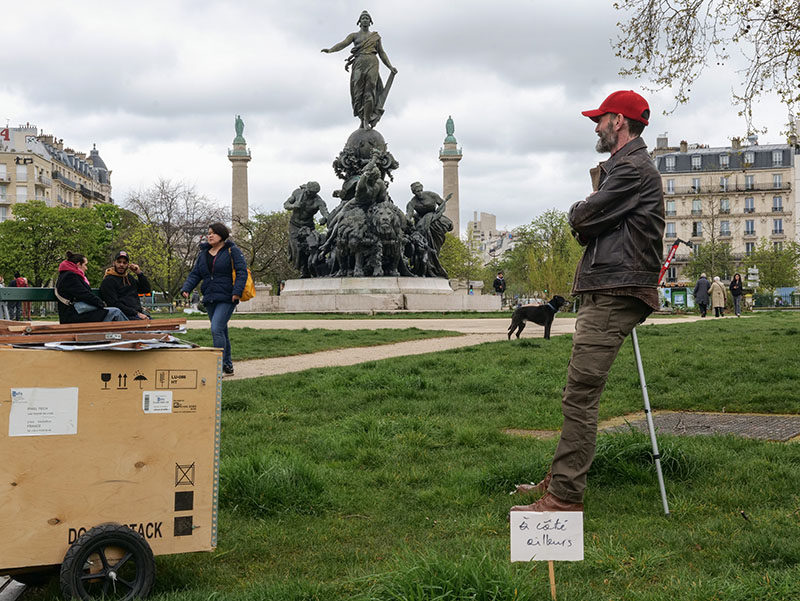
548, 536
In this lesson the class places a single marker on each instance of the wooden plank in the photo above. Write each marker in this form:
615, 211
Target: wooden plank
149, 325
82, 337
122, 464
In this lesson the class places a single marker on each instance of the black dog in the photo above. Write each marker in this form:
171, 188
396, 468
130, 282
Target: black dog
541, 314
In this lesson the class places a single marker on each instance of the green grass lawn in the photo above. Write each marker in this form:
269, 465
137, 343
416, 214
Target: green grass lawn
389, 480
250, 343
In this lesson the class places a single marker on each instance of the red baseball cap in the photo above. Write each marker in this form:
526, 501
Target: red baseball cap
624, 102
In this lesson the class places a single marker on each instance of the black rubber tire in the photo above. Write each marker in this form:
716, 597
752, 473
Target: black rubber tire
130, 577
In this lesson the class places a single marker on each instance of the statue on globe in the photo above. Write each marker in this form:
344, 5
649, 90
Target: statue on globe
367, 92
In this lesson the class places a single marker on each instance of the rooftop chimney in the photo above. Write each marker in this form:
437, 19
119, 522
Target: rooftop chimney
684, 146
736, 143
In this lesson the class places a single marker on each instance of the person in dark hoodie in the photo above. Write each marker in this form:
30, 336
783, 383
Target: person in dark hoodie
76, 301
219, 262
121, 289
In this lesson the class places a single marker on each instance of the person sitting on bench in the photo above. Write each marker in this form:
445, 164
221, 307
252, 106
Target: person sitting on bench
121, 289
76, 301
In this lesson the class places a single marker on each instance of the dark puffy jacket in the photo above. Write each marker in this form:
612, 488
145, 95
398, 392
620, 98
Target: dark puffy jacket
701, 289
622, 223
122, 291
72, 287
218, 283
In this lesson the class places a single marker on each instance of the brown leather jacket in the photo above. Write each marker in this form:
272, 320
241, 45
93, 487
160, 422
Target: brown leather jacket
622, 223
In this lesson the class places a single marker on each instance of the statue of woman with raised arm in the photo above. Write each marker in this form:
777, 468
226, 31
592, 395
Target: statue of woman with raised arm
367, 92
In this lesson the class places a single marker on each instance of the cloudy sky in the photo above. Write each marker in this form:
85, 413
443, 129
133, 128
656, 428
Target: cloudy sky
157, 84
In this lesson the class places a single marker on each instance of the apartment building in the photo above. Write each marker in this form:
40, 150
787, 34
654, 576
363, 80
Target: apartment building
736, 194
485, 240
35, 166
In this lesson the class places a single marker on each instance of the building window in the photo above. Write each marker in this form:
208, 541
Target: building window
777, 226
672, 274
697, 162
777, 181
671, 208
749, 247
3, 193
749, 157
777, 204
724, 161
723, 184
22, 193
697, 207
670, 232
777, 158
749, 227
749, 205
724, 206
749, 182
724, 228
669, 163
695, 185
22, 173
3, 173
670, 186
697, 229
777, 246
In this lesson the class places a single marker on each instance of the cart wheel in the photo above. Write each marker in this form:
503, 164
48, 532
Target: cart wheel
108, 562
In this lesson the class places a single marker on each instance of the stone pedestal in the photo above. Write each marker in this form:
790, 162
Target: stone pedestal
379, 294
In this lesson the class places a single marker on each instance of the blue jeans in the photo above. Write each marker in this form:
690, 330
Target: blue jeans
114, 314
220, 314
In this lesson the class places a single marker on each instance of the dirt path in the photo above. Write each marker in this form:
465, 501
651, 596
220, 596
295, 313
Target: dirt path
477, 331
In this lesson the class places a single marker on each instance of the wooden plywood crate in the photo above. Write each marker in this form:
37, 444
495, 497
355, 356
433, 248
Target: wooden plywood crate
88, 438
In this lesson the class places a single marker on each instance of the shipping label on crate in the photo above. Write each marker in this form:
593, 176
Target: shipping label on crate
157, 401
43, 412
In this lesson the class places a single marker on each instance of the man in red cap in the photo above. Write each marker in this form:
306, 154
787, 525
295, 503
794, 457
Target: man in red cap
621, 224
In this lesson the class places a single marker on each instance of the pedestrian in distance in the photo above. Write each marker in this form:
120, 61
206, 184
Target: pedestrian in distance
736, 293
4, 306
718, 297
701, 289
76, 301
218, 264
621, 224
121, 289
23, 307
499, 284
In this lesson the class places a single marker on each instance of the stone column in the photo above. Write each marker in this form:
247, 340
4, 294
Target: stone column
239, 157
450, 155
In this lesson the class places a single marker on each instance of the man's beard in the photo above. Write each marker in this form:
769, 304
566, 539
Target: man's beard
608, 139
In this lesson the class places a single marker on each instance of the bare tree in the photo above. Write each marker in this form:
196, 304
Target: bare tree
173, 220
264, 240
671, 43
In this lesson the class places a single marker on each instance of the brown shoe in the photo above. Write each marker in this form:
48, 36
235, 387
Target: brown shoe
539, 489
549, 503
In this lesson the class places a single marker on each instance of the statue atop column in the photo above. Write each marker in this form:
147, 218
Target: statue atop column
367, 92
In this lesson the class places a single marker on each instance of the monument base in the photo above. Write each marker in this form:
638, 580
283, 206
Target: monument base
379, 294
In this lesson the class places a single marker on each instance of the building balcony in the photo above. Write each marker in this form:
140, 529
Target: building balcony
59, 177
724, 211
777, 232
670, 235
750, 234
43, 181
5, 177
696, 212
99, 195
672, 213
715, 189
777, 209
84, 191
725, 234
749, 210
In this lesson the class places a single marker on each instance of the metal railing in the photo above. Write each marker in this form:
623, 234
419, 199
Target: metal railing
716, 189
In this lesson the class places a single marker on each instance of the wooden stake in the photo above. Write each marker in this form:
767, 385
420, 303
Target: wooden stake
552, 579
